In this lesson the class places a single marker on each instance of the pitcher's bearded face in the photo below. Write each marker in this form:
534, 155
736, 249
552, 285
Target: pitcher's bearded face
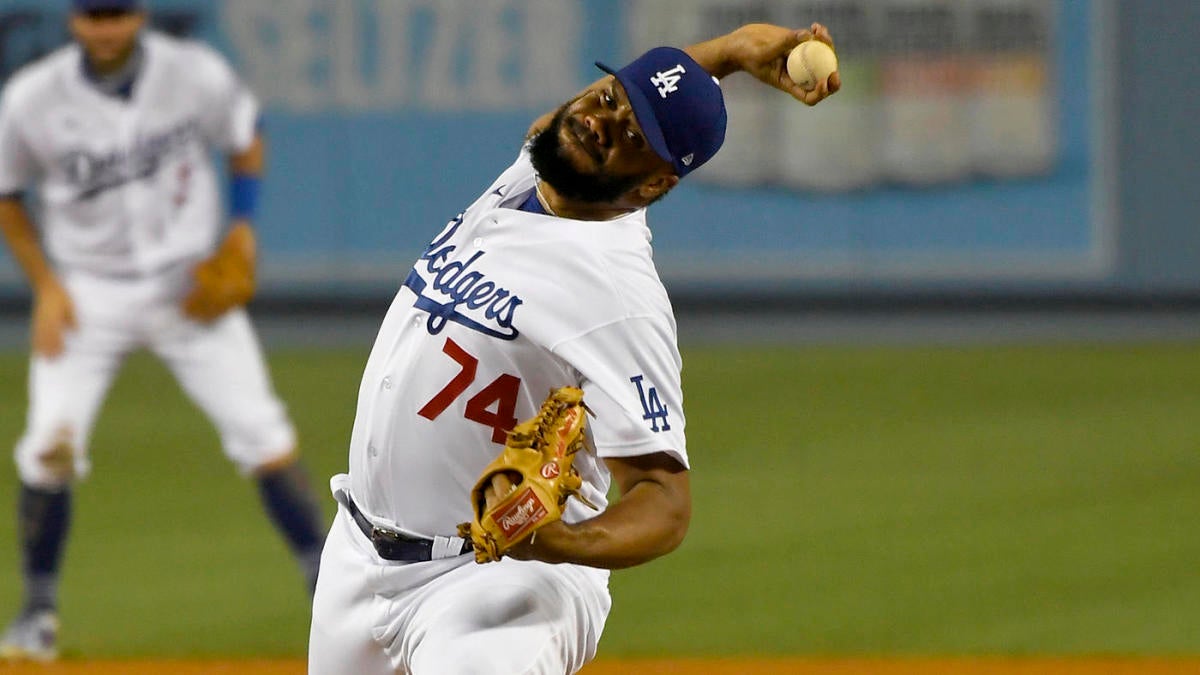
552, 161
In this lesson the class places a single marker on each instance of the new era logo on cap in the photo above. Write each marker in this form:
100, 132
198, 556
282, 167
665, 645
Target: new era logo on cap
678, 105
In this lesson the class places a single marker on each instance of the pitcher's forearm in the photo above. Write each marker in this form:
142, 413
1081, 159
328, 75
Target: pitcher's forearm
714, 56
645, 524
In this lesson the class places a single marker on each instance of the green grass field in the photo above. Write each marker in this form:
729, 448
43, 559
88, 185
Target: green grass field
975, 500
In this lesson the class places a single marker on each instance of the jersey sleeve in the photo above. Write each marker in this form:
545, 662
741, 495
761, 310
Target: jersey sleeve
631, 381
231, 122
17, 166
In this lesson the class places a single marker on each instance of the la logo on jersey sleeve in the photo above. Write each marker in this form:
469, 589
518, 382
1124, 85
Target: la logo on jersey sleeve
654, 410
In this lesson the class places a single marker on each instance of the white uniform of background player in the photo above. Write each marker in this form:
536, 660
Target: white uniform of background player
508, 302
128, 203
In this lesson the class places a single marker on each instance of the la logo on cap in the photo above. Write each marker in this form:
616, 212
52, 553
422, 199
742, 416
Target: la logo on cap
678, 105
667, 81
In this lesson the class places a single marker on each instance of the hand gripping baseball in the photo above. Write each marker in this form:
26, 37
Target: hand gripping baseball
536, 476
762, 51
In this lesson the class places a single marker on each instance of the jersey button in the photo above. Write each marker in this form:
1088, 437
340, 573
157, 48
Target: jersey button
387, 382
372, 450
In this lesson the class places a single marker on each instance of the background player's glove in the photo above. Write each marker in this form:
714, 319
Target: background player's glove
537, 462
226, 279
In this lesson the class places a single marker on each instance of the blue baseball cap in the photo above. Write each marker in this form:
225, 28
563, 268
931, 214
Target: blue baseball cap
678, 105
99, 5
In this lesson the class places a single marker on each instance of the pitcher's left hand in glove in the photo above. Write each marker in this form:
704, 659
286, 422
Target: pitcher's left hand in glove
225, 280
527, 486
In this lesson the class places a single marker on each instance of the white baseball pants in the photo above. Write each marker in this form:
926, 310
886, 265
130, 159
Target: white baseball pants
451, 616
220, 367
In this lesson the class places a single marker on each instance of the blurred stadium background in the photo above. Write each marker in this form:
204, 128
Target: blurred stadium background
969, 283
980, 148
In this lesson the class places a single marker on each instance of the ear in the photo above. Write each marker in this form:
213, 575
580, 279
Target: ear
656, 186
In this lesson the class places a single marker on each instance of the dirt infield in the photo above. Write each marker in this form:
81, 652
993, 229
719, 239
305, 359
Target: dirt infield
898, 667
678, 667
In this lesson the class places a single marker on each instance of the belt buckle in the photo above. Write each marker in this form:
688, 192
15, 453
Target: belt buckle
388, 544
378, 533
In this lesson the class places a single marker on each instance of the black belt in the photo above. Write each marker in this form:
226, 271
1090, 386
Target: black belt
393, 545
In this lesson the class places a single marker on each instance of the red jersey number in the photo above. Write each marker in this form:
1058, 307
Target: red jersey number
493, 406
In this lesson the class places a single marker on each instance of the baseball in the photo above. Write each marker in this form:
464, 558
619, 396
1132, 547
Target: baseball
811, 62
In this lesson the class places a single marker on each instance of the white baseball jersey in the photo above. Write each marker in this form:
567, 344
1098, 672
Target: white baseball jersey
127, 187
128, 200
503, 306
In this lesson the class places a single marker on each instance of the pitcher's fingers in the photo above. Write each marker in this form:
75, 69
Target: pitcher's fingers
501, 484
820, 32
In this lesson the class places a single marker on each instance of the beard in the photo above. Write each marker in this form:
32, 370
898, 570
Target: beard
545, 151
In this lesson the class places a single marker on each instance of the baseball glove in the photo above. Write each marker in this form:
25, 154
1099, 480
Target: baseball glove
537, 459
225, 280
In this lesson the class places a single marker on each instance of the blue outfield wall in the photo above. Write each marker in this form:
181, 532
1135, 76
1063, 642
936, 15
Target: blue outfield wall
387, 117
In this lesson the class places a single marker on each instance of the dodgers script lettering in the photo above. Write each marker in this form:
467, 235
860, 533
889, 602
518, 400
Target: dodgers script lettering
450, 289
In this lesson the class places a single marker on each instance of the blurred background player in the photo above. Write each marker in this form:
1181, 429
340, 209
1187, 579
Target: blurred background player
545, 281
114, 132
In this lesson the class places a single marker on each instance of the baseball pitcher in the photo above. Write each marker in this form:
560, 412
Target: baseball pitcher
527, 365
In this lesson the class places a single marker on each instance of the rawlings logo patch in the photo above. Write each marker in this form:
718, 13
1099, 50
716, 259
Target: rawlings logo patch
524, 511
549, 470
